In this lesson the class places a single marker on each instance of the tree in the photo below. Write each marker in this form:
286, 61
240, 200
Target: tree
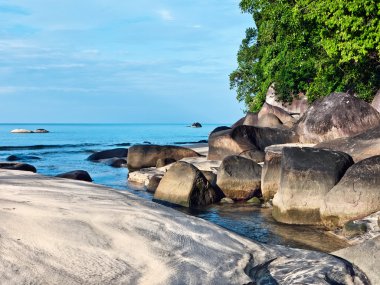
309, 46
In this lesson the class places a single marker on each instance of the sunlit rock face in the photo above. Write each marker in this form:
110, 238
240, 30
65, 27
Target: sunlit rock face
336, 116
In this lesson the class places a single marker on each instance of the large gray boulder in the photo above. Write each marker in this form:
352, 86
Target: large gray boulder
366, 256
336, 116
239, 178
361, 146
247, 138
183, 184
109, 153
307, 174
76, 175
269, 121
358, 193
17, 166
251, 119
143, 156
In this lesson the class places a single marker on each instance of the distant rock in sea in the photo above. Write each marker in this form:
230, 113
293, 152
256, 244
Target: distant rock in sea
196, 125
76, 175
25, 131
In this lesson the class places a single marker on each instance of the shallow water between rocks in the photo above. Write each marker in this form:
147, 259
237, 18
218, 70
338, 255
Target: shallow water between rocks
67, 146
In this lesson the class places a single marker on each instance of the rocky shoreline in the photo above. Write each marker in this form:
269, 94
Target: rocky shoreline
316, 166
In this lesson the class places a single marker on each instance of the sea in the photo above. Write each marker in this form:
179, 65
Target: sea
67, 146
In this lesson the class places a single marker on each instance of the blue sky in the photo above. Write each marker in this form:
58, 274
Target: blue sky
110, 61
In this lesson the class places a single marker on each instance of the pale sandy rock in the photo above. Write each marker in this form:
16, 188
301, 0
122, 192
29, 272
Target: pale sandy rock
366, 256
56, 231
21, 131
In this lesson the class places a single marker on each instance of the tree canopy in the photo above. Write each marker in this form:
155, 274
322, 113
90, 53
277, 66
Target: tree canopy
309, 46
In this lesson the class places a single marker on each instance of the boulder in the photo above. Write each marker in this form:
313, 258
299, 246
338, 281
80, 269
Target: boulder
238, 122
358, 193
307, 174
143, 156
376, 101
41, 131
298, 105
161, 162
76, 175
239, 178
17, 166
246, 138
366, 256
196, 125
21, 131
22, 157
255, 155
284, 117
271, 173
336, 116
219, 129
185, 185
269, 121
153, 183
109, 153
211, 178
251, 119
361, 146
116, 162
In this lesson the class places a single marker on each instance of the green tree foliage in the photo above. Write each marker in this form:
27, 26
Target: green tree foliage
310, 46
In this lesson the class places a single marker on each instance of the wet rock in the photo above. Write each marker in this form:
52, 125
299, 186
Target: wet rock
154, 181
361, 146
110, 153
239, 178
161, 162
116, 162
196, 125
143, 156
358, 193
307, 174
351, 229
254, 201
22, 157
185, 185
41, 131
336, 116
76, 175
17, 166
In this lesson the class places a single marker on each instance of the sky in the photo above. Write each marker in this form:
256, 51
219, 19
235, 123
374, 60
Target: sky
119, 61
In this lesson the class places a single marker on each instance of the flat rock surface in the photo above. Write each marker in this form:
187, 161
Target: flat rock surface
59, 231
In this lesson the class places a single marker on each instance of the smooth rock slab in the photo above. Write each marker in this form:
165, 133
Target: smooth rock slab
109, 153
185, 185
358, 193
72, 232
307, 174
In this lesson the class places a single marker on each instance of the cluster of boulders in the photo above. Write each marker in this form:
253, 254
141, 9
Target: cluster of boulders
25, 131
317, 165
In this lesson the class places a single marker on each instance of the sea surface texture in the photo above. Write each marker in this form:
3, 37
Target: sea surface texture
67, 146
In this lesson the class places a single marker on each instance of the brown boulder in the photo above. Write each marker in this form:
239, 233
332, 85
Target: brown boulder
251, 119
143, 156
307, 174
185, 185
239, 178
17, 166
338, 115
285, 118
376, 101
361, 146
357, 195
76, 175
269, 121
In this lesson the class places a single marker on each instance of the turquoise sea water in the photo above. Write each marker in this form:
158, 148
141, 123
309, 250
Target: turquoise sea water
67, 146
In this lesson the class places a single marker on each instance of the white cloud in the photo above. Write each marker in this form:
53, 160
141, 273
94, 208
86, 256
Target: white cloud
56, 66
165, 15
7, 89
196, 26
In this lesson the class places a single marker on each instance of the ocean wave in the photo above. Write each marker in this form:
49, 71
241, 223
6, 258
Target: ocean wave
43, 146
